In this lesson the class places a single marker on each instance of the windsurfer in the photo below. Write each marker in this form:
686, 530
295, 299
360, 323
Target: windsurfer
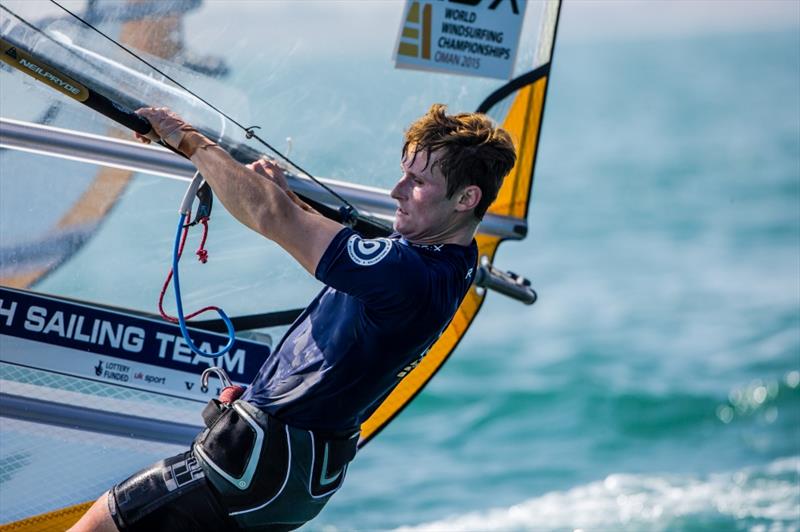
274, 458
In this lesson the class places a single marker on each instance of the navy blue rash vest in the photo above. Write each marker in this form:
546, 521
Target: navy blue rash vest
386, 302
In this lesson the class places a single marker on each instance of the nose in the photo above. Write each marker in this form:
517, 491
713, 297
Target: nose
399, 190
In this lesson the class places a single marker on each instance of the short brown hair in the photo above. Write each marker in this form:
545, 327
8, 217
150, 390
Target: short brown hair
475, 151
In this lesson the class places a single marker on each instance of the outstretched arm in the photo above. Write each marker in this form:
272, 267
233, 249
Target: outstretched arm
256, 202
274, 173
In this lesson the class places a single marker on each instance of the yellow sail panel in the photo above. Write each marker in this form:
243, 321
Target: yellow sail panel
523, 121
436, 357
56, 521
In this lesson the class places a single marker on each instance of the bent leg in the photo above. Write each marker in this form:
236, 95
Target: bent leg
97, 518
172, 495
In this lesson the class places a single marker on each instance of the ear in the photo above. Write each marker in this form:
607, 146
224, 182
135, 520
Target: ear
468, 198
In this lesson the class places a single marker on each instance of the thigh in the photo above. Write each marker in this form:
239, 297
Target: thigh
173, 494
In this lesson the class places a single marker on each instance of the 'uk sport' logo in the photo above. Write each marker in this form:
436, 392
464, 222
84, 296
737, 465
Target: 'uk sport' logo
368, 252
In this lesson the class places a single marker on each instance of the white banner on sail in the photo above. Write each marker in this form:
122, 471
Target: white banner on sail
474, 37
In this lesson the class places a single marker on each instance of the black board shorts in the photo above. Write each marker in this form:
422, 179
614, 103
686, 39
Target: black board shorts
245, 471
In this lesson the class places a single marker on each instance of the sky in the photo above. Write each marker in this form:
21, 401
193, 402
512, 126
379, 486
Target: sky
581, 19
634, 19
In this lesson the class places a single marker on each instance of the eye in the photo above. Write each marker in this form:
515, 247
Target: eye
418, 181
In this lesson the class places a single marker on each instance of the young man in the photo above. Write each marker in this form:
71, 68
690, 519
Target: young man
274, 458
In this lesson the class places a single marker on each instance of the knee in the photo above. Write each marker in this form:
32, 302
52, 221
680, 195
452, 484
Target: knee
97, 518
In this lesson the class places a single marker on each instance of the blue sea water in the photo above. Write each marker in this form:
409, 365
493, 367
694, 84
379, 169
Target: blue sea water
656, 384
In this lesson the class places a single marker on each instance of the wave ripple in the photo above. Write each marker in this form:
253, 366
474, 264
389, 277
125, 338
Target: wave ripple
765, 498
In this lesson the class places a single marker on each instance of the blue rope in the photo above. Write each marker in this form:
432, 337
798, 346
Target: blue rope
181, 320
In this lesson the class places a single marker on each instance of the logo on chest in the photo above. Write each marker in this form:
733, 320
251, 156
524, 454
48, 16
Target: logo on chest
366, 252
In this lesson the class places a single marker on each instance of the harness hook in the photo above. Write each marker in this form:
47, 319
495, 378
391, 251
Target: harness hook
220, 374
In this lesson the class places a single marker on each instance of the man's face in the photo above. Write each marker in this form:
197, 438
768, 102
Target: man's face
423, 211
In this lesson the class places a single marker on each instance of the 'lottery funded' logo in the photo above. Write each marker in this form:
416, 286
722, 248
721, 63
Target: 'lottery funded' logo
455, 37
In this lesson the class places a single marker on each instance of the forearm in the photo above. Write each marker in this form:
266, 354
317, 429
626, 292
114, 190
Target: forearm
300, 203
253, 200
266, 208
194, 141
263, 203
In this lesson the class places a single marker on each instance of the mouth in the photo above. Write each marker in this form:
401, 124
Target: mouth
401, 212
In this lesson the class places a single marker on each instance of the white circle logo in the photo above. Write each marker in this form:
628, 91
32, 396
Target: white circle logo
368, 252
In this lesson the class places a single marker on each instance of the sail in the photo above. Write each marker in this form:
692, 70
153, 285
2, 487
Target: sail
61, 222
65, 226
73, 235
519, 108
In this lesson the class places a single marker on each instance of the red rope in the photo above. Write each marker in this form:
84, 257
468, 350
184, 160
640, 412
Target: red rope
202, 256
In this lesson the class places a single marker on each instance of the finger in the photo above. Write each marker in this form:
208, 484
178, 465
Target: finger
145, 111
278, 170
259, 168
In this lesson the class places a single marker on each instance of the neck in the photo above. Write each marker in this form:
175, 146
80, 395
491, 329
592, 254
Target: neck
462, 236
